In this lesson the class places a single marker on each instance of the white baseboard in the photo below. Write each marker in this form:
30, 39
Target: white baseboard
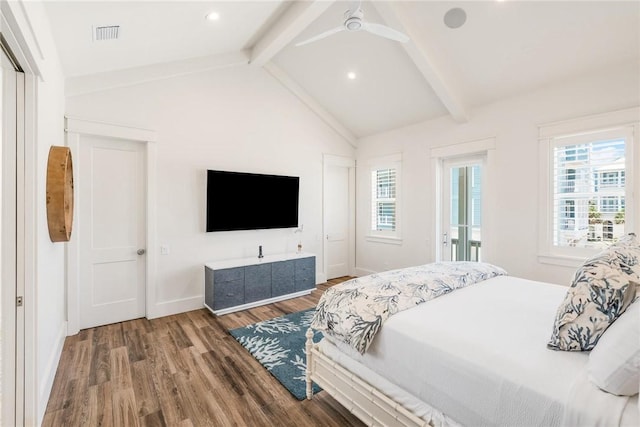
46, 382
364, 272
167, 308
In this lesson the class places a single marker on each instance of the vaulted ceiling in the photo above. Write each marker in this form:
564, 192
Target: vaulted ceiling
504, 48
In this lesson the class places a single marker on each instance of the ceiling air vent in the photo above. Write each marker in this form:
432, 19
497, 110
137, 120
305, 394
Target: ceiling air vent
106, 32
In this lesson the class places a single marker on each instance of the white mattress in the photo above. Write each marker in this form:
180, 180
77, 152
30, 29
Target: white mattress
479, 356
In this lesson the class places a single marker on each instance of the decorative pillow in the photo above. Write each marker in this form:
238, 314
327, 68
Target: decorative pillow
602, 289
631, 249
614, 365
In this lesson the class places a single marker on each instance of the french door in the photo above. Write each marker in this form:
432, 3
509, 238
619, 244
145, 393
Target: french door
462, 209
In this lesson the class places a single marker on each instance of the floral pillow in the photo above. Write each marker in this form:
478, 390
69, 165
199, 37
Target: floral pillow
602, 289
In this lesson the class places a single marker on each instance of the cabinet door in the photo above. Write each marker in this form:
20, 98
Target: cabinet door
228, 287
305, 273
282, 278
257, 282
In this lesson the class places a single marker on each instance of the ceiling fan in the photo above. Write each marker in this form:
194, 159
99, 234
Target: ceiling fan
354, 21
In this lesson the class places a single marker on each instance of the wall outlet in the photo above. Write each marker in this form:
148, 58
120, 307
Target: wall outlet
164, 249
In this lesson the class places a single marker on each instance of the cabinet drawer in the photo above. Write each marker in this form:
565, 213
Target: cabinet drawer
229, 275
305, 274
227, 294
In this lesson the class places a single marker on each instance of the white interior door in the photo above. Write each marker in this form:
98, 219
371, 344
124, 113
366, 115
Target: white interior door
11, 316
111, 190
337, 214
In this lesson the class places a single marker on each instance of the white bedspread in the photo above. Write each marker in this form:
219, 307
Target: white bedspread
479, 355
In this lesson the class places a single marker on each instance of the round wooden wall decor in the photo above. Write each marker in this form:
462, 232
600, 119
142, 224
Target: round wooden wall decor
59, 194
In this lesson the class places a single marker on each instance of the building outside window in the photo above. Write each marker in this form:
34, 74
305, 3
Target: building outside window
588, 191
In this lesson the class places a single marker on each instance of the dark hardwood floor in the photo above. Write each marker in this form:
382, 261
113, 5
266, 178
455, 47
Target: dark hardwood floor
181, 370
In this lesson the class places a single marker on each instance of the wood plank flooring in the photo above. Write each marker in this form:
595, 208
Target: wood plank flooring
183, 370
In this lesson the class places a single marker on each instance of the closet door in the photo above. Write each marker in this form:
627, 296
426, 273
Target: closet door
11, 304
338, 212
112, 230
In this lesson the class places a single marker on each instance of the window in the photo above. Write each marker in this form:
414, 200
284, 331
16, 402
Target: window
384, 200
588, 179
601, 160
384, 176
609, 179
610, 204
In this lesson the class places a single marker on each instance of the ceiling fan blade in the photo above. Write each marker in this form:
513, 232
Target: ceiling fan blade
384, 31
321, 36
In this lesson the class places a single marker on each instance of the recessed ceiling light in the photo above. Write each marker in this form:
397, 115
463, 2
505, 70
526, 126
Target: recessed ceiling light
351, 75
213, 16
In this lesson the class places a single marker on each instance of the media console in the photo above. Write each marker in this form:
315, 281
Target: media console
239, 284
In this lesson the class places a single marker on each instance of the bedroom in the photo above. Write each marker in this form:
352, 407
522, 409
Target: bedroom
242, 118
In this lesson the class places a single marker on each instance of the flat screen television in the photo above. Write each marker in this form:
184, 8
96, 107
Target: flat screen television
249, 201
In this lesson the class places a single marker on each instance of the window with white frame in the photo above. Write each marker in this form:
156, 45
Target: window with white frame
588, 184
586, 175
384, 180
383, 193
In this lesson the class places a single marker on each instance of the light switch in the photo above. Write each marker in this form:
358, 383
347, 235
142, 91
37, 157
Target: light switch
164, 249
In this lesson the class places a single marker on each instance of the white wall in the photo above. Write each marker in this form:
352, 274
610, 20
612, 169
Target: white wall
511, 231
45, 315
50, 266
237, 119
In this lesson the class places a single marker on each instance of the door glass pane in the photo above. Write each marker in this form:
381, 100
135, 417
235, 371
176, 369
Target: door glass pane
457, 205
476, 213
465, 218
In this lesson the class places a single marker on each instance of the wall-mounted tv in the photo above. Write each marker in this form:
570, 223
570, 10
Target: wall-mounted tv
249, 201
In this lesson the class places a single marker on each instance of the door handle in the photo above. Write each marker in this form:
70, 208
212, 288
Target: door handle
140, 251
445, 239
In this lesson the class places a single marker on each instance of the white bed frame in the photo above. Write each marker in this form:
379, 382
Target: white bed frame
358, 396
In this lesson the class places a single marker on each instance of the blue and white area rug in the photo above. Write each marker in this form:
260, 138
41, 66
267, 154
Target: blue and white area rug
278, 344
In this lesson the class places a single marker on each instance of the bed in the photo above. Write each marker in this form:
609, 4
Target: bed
476, 356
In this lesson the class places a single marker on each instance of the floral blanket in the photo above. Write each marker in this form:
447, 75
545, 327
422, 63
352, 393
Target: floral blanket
355, 310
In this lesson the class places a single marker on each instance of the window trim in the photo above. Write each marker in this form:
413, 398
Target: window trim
393, 161
577, 128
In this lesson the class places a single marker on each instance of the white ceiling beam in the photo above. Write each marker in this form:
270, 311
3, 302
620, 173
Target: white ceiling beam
310, 102
424, 57
294, 20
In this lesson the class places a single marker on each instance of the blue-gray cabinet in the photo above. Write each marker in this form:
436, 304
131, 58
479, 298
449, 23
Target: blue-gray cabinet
234, 285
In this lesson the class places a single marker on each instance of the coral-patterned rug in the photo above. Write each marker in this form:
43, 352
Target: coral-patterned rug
278, 344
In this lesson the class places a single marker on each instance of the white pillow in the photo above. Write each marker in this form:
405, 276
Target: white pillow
614, 363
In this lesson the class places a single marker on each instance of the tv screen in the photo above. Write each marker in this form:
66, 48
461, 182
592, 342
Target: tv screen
248, 201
